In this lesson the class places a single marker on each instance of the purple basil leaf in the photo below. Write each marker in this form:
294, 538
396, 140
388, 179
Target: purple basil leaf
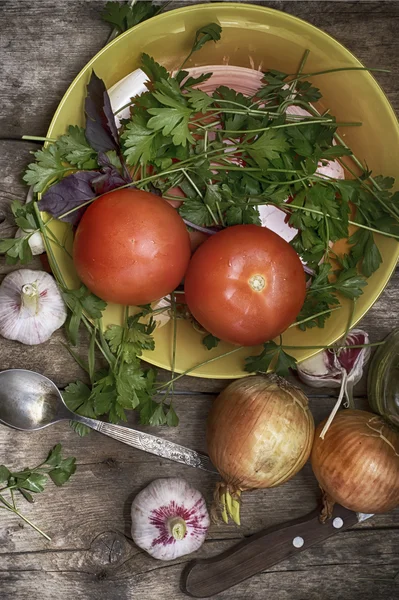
101, 131
109, 178
67, 194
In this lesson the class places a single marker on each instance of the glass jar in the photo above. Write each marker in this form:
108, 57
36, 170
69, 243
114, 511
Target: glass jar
383, 379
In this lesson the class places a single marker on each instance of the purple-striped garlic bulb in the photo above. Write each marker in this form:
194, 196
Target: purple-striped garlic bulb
340, 366
169, 518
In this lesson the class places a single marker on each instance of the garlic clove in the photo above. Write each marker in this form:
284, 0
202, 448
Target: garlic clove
320, 370
35, 241
354, 359
31, 306
326, 368
169, 519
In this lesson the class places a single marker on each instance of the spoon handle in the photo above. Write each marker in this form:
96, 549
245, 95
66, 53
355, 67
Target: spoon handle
150, 443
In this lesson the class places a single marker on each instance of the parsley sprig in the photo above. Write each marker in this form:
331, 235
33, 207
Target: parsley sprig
33, 480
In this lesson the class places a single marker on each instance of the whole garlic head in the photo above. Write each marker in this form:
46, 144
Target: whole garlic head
31, 306
169, 518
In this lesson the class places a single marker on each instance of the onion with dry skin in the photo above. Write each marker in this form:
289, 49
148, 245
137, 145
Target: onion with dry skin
357, 463
259, 434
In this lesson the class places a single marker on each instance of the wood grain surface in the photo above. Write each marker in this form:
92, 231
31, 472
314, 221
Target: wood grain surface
44, 44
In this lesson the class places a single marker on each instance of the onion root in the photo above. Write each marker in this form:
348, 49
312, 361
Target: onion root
228, 502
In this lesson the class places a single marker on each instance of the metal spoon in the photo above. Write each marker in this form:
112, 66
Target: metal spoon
30, 401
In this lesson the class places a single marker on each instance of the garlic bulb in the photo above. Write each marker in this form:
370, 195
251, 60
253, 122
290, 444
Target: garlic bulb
31, 306
327, 368
169, 519
341, 368
35, 240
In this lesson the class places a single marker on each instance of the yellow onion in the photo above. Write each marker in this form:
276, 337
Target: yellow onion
357, 463
259, 434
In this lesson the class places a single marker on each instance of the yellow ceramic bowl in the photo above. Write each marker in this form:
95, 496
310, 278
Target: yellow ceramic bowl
258, 38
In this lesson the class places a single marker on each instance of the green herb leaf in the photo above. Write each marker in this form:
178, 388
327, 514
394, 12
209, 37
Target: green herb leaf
172, 420
196, 212
34, 483
206, 34
171, 121
4, 473
153, 70
75, 148
123, 16
210, 341
199, 101
272, 358
77, 397
158, 416
140, 144
63, 472
365, 251
49, 167
261, 363
54, 457
284, 363
268, 147
16, 250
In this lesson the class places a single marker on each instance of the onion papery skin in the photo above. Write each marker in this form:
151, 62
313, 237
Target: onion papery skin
259, 432
357, 463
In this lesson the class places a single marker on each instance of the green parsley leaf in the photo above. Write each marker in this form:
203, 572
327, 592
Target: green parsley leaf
81, 301
335, 152
268, 147
54, 457
63, 472
158, 416
349, 283
199, 101
171, 121
48, 168
206, 34
284, 363
210, 341
365, 250
172, 420
196, 212
24, 215
140, 143
34, 480
4, 473
153, 70
272, 358
124, 15
77, 397
75, 148
16, 249
242, 214
261, 363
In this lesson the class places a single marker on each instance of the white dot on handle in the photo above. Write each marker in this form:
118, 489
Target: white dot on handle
298, 542
338, 522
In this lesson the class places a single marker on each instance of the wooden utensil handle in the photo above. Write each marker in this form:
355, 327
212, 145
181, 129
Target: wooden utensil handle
205, 577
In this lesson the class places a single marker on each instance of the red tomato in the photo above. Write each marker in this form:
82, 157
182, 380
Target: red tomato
245, 285
131, 247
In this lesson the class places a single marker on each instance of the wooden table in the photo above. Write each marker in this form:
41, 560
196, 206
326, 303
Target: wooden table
91, 556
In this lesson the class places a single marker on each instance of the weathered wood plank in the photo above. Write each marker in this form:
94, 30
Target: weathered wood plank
111, 568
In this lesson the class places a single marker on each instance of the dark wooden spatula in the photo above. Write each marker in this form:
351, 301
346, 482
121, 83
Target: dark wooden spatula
205, 577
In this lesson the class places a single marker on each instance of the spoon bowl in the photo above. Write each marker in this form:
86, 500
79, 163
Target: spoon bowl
30, 401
